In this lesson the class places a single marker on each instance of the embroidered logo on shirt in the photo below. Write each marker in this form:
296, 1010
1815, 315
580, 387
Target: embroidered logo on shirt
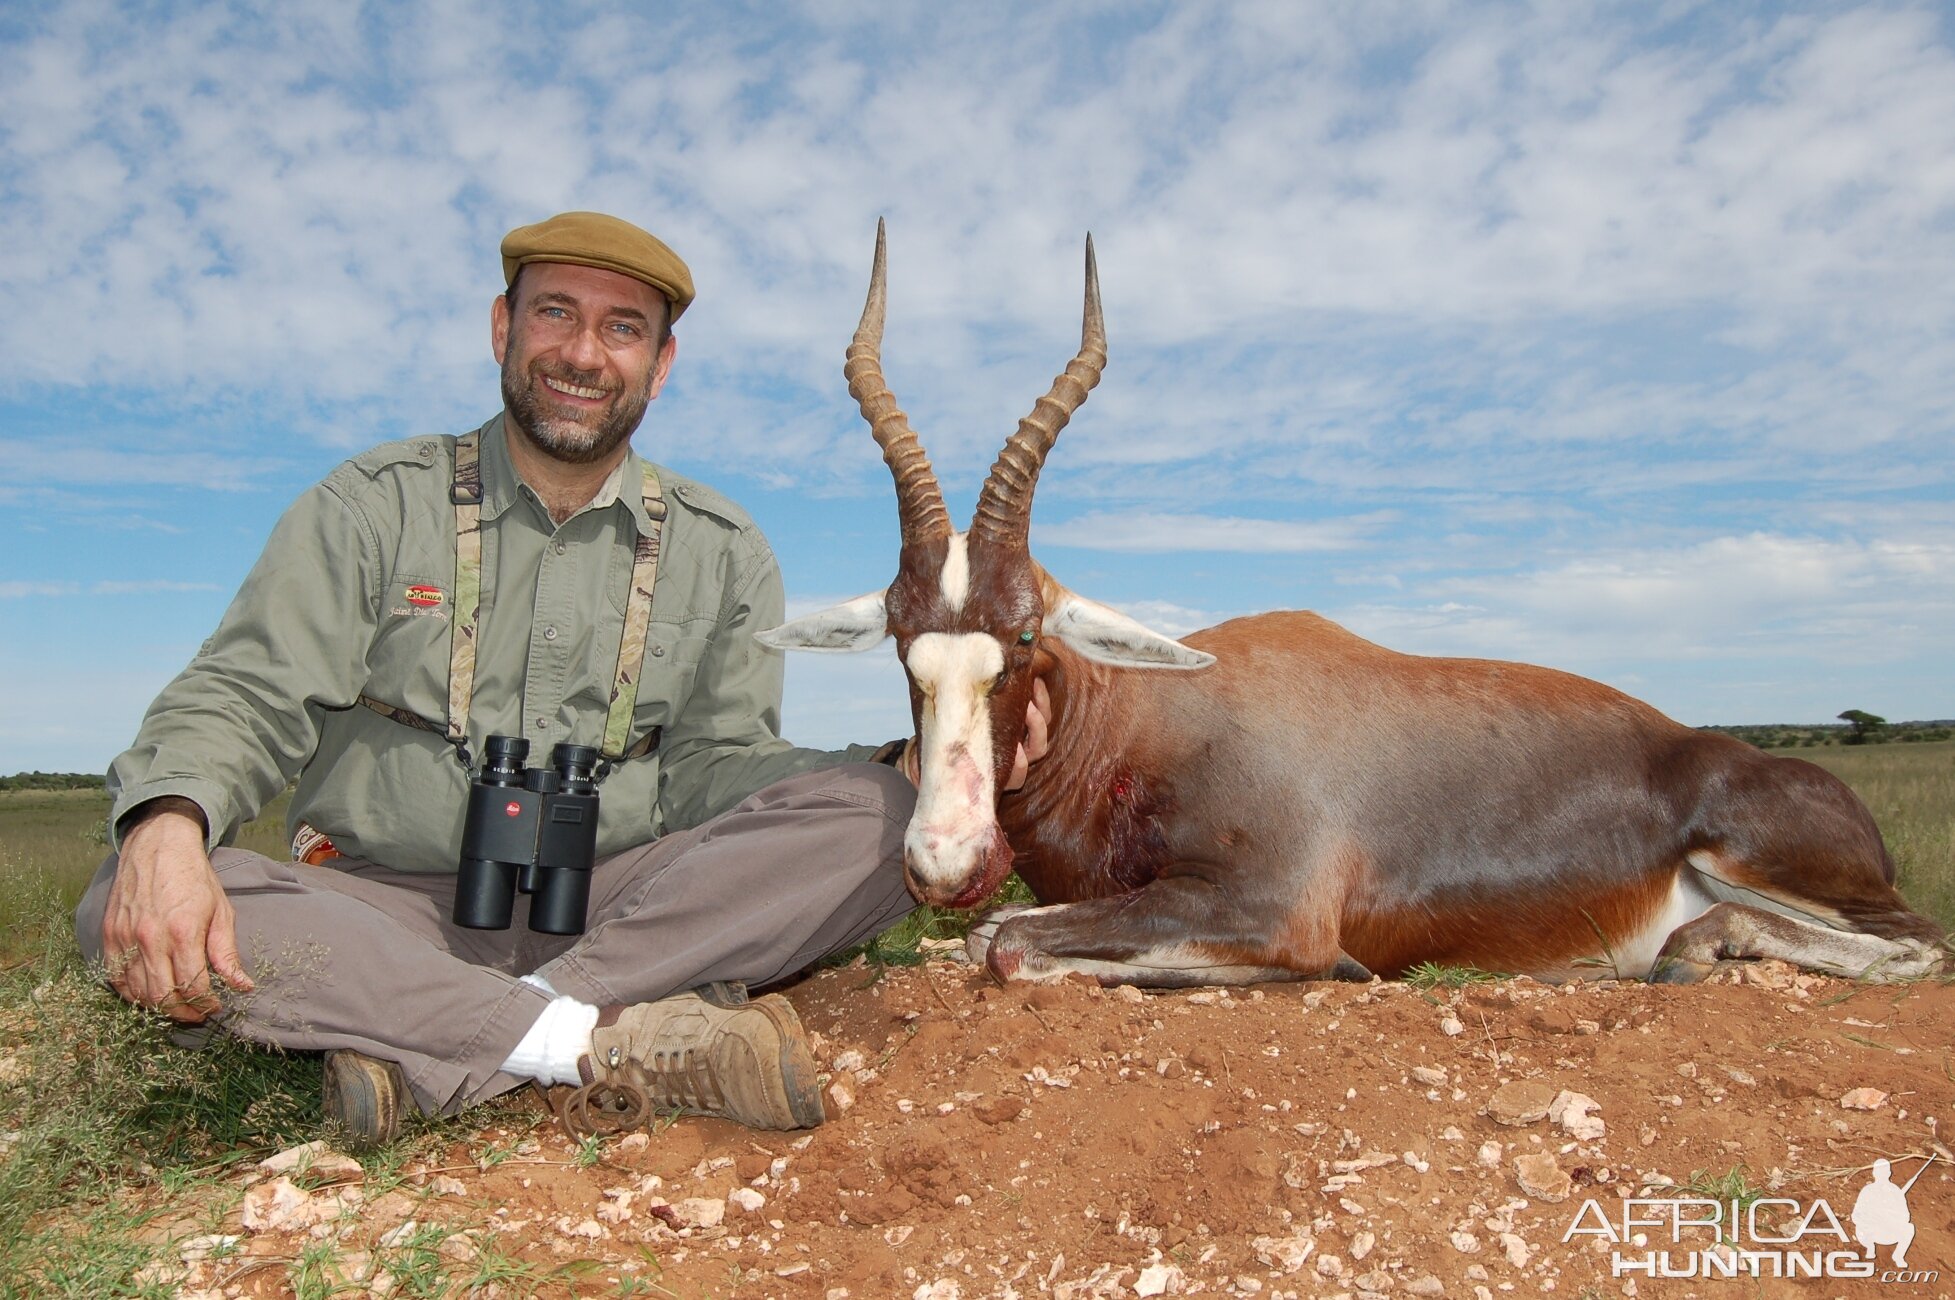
419, 600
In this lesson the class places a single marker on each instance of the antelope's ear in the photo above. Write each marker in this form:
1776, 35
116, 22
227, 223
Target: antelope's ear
841, 629
1112, 638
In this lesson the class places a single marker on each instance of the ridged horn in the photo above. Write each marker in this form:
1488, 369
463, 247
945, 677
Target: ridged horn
919, 500
1004, 509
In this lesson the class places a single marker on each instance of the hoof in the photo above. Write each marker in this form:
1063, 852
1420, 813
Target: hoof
1675, 970
978, 939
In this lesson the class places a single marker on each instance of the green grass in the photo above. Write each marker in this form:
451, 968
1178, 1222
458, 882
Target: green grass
1911, 791
1437, 975
1724, 1188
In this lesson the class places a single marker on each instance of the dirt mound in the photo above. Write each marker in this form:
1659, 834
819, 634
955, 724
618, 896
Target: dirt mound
1301, 1140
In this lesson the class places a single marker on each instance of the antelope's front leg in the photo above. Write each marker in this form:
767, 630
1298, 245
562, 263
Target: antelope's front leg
1177, 932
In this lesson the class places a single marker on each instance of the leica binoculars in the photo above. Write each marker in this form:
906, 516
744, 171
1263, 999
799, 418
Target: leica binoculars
531, 829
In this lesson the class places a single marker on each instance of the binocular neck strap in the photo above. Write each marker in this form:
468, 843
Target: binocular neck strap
467, 496
638, 621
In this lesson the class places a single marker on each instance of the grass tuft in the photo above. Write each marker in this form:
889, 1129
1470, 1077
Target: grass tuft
1438, 975
902, 944
1731, 1185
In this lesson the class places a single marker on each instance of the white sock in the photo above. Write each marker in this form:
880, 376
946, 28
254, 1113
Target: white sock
536, 981
549, 1051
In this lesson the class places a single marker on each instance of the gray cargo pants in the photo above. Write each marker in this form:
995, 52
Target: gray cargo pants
354, 955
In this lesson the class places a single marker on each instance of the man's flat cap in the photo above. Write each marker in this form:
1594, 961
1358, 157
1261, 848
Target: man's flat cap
593, 239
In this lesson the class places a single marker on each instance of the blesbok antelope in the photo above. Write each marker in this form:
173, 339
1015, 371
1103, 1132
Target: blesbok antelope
1277, 798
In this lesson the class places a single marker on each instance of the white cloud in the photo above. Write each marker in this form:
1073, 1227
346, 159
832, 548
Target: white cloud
1149, 532
1884, 610
16, 590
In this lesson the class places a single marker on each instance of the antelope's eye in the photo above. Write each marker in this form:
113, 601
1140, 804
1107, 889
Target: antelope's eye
1027, 637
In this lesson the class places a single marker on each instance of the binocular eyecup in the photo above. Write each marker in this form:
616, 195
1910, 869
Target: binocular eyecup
530, 830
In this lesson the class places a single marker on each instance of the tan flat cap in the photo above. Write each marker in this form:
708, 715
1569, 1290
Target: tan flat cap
593, 239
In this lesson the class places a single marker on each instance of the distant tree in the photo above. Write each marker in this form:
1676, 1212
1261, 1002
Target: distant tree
1864, 726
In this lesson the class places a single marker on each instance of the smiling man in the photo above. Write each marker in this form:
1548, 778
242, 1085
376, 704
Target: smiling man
532, 579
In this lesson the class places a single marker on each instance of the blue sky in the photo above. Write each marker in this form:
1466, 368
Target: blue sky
1619, 338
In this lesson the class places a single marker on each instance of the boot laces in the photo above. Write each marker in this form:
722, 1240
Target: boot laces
627, 1091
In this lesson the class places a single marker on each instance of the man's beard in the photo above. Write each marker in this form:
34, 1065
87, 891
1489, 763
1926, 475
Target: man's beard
562, 435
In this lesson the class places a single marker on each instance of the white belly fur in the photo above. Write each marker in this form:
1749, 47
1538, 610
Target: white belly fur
1636, 955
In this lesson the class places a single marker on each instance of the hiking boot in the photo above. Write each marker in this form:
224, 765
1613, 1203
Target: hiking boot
363, 1097
724, 993
748, 1062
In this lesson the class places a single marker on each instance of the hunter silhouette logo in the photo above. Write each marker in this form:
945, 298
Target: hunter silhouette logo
1880, 1215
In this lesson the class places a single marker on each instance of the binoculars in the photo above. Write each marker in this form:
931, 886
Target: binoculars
529, 829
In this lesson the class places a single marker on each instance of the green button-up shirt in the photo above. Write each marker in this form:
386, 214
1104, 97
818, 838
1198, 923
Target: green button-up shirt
343, 603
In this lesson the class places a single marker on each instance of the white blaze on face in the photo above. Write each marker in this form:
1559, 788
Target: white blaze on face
955, 580
954, 820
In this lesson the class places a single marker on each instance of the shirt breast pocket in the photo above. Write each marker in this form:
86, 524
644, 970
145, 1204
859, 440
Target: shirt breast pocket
673, 650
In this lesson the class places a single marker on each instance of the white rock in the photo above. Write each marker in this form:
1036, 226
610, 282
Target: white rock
700, 1212
746, 1198
313, 1158
1285, 1254
1426, 1285
1451, 1027
1489, 1154
841, 1094
1517, 1251
944, 1288
196, 1248
852, 1059
1428, 1075
1521, 1102
447, 1185
278, 1206
1158, 1279
1465, 1243
1362, 1244
1542, 1177
1571, 1111
583, 1229
1864, 1099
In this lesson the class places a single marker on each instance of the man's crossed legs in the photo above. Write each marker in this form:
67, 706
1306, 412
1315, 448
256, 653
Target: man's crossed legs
354, 956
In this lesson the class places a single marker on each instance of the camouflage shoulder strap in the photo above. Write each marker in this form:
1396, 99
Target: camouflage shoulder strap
638, 619
467, 496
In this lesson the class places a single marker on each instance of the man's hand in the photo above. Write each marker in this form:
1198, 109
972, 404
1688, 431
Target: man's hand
1031, 745
168, 923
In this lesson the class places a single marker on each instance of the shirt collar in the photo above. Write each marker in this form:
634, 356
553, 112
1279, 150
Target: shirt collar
624, 486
